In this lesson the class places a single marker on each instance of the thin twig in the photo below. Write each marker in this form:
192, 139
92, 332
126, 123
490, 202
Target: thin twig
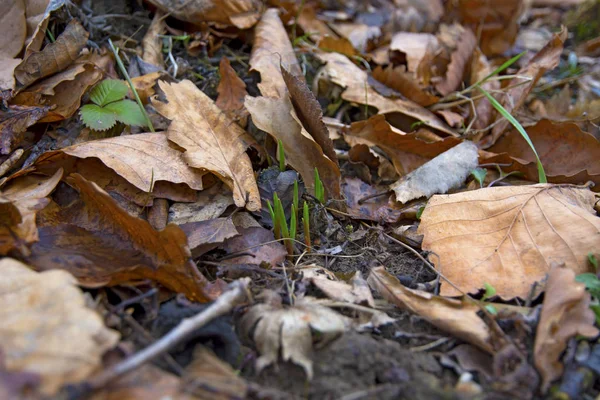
237, 293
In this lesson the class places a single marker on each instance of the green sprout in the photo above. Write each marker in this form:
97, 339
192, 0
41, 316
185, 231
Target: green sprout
110, 106
306, 224
281, 155
319, 188
479, 175
280, 225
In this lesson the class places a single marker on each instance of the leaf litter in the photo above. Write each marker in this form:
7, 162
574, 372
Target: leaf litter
378, 132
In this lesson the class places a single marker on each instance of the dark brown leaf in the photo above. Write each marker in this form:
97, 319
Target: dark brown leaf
14, 122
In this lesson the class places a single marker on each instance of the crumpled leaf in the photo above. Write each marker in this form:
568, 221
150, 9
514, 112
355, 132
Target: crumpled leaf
458, 317
203, 236
344, 73
274, 113
14, 122
507, 236
458, 62
575, 160
232, 91
446, 171
405, 83
407, 151
20, 201
212, 141
210, 203
54, 57
289, 331
375, 209
100, 243
141, 159
565, 313
242, 14
260, 245
357, 292
47, 327
513, 99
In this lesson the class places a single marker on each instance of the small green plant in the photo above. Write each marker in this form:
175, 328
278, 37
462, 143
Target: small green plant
109, 107
593, 260
592, 284
306, 223
490, 291
281, 155
479, 175
319, 188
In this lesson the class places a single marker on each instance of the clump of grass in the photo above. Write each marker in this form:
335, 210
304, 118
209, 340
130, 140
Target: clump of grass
280, 225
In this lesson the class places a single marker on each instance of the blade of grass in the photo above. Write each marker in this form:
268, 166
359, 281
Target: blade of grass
293, 223
135, 93
306, 224
541, 173
276, 225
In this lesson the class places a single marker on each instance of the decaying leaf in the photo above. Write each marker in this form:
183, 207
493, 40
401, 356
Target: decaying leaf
210, 203
309, 112
53, 58
152, 42
290, 332
414, 46
242, 14
212, 141
12, 28
568, 154
376, 209
141, 159
344, 73
356, 293
480, 68
458, 317
20, 201
547, 59
259, 246
405, 83
565, 314
446, 171
14, 122
232, 91
100, 243
274, 112
407, 151
508, 236
47, 327
458, 61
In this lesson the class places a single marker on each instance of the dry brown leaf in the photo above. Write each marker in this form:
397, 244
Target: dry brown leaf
361, 36
20, 201
344, 73
53, 58
376, 209
290, 332
144, 85
212, 141
568, 154
141, 159
14, 122
508, 236
13, 29
38, 16
406, 150
210, 203
458, 317
47, 327
458, 62
565, 314
357, 292
405, 83
443, 173
480, 68
547, 59
62, 92
274, 112
152, 42
242, 14
415, 47
337, 45
232, 91
260, 246
309, 112
496, 20
100, 243
206, 235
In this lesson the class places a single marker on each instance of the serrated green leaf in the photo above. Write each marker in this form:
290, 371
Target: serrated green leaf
127, 112
97, 118
107, 91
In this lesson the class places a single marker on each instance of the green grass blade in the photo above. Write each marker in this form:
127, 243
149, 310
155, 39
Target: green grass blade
280, 216
293, 223
500, 68
542, 174
306, 224
281, 155
276, 226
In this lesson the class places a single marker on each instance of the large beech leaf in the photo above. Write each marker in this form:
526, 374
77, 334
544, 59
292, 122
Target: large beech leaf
508, 236
211, 139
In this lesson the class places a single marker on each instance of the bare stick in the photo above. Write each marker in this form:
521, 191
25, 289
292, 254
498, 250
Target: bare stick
236, 294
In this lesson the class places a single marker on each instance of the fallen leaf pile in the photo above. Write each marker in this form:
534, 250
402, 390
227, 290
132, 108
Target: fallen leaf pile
423, 172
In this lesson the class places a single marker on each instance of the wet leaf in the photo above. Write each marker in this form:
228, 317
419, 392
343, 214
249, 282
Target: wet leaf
446, 171
212, 141
242, 14
53, 58
565, 314
47, 327
344, 73
507, 236
100, 243
458, 317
